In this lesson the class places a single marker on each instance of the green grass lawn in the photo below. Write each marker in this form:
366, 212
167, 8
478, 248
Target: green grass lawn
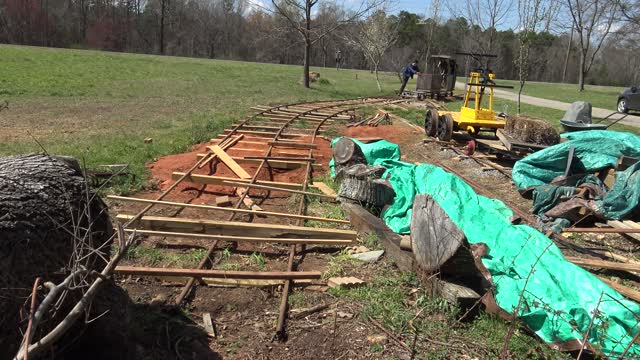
605, 97
99, 106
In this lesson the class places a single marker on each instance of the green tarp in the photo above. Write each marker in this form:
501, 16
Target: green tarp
594, 150
558, 298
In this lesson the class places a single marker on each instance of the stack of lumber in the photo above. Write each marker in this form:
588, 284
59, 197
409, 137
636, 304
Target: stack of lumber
380, 118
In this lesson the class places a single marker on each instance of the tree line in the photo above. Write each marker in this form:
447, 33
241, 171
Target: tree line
593, 40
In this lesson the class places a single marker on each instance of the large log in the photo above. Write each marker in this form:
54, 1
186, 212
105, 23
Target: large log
361, 184
50, 220
438, 244
365, 222
346, 153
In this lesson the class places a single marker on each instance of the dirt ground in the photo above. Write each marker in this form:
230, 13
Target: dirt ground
245, 317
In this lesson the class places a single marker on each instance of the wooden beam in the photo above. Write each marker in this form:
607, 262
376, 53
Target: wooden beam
239, 171
289, 241
279, 158
230, 162
621, 225
625, 291
232, 228
275, 188
324, 188
595, 263
224, 146
218, 180
276, 164
293, 144
258, 275
227, 209
601, 230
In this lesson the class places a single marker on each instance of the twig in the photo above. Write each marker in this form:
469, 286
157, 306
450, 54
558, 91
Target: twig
310, 311
505, 347
586, 334
27, 337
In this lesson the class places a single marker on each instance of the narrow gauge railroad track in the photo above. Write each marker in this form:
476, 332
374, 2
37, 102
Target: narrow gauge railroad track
273, 127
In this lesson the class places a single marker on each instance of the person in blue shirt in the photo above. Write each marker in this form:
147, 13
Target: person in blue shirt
409, 71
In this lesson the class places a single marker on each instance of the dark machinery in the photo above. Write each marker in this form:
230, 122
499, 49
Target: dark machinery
439, 79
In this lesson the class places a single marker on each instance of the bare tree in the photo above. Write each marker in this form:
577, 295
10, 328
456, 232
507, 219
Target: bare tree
592, 21
531, 17
375, 36
298, 15
435, 14
487, 15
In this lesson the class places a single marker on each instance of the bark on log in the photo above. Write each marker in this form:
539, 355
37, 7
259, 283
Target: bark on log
46, 212
361, 184
438, 244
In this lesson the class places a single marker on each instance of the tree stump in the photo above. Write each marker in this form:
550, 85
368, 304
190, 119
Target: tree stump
347, 153
361, 184
437, 243
49, 223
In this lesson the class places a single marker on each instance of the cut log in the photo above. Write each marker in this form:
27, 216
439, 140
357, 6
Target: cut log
50, 219
438, 244
346, 153
360, 184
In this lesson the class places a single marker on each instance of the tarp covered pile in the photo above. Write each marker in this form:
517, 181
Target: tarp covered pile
594, 151
558, 297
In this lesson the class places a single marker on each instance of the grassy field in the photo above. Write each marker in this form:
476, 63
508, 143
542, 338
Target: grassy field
605, 97
99, 106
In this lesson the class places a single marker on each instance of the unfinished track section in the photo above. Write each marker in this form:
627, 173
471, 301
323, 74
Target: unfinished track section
286, 135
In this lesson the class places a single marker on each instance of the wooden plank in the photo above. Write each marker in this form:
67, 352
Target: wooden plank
625, 291
216, 282
620, 225
276, 164
596, 263
231, 228
227, 209
308, 241
239, 171
504, 139
293, 144
275, 188
230, 162
324, 188
197, 273
279, 158
208, 324
257, 138
218, 180
602, 230
224, 146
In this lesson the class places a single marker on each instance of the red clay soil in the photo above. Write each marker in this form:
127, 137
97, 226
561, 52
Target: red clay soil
162, 169
398, 133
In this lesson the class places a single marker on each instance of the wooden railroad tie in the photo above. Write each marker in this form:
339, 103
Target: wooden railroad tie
197, 273
232, 228
218, 180
275, 188
227, 209
290, 241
